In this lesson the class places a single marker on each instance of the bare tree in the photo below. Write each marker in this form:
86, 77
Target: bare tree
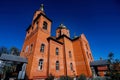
14, 51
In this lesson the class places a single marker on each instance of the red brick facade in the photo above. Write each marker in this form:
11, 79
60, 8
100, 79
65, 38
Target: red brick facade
58, 55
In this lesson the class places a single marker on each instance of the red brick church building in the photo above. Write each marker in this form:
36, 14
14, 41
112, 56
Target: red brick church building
57, 55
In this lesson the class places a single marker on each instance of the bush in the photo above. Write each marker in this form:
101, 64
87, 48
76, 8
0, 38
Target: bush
65, 78
115, 76
82, 77
50, 77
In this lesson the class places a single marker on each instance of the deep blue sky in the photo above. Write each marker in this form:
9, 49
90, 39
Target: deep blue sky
99, 20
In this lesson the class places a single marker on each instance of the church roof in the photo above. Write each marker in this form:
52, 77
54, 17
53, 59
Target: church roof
99, 63
8, 57
54, 39
62, 36
68, 37
41, 14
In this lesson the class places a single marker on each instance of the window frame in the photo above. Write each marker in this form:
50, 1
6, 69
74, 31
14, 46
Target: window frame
70, 55
45, 25
57, 66
31, 48
26, 49
91, 56
37, 24
87, 54
71, 66
42, 48
57, 51
86, 45
40, 65
32, 27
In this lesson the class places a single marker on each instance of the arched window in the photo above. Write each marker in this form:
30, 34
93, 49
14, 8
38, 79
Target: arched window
86, 46
31, 48
42, 48
40, 64
32, 27
26, 50
45, 25
70, 55
90, 56
57, 65
28, 31
36, 24
57, 51
87, 54
71, 66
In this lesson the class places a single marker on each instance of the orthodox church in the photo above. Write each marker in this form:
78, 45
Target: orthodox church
54, 55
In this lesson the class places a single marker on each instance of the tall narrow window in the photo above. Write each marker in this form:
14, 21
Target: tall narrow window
42, 48
90, 56
26, 50
32, 27
86, 46
58, 34
57, 51
70, 55
87, 54
40, 64
71, 66
36, 24
57, 65
28, 32
45, 25
31, 46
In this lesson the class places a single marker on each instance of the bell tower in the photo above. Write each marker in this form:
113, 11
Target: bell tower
62, 30
35, 47
41, 20
41, 10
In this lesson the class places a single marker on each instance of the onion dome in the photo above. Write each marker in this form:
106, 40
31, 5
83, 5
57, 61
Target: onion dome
62, 26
